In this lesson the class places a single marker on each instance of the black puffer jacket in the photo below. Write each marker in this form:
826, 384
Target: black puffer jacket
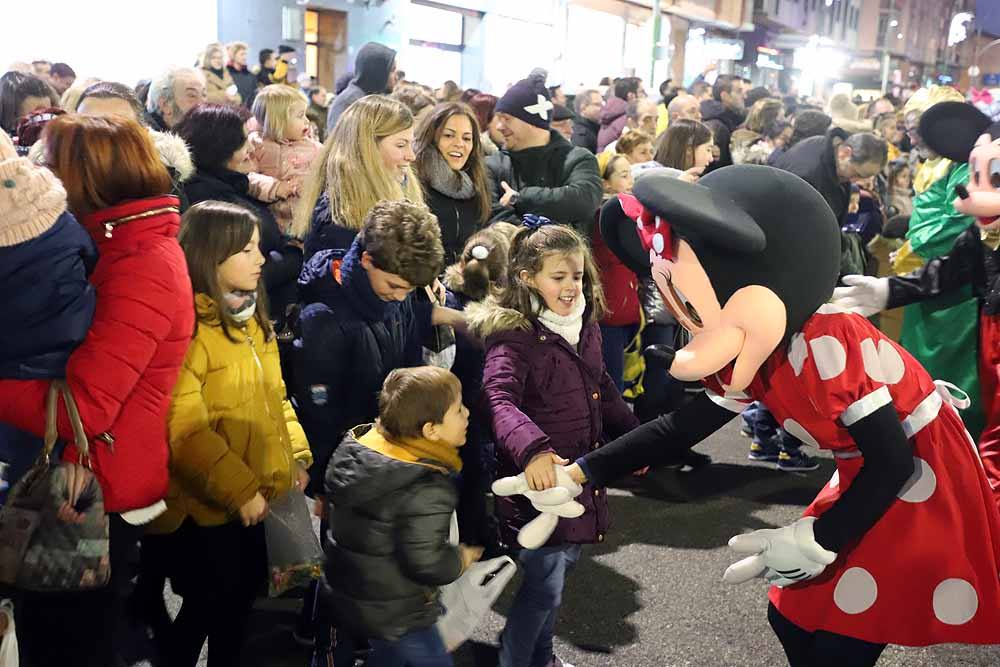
585, 134
246, 84
557, 180
387, 548
458, 219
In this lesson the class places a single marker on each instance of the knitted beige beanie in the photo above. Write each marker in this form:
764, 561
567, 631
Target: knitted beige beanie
31, 197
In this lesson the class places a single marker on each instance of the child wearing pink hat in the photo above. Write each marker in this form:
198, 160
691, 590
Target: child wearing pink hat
45, 256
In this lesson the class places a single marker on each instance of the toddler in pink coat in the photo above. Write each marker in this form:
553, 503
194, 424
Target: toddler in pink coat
282, 147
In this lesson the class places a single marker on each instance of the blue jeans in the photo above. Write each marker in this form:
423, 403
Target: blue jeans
527, 638
420, 648
765, 428
614, 340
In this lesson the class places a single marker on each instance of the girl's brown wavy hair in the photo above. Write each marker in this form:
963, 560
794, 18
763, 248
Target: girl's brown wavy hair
528, 252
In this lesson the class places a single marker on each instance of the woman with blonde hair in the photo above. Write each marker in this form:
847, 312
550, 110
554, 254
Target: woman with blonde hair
221, 86
366, 159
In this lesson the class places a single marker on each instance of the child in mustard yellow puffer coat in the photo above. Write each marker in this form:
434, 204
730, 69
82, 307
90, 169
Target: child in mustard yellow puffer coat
235, 442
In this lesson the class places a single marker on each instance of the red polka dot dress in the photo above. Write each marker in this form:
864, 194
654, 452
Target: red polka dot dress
927, 571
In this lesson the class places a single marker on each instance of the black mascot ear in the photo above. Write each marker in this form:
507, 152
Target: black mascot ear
696, 212
622, 237
951, 129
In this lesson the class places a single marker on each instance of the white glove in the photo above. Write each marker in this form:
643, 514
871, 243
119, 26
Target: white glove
864, 295
551, 503
782, 556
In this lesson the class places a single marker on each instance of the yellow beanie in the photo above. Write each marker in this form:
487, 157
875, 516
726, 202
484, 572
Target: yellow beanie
604, 159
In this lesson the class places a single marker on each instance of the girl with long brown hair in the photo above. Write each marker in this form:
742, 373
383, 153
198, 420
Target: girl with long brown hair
450, 165
235, 442
686, 146
122, 374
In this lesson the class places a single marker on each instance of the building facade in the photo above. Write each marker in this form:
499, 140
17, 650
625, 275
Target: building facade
489, 44
803, 45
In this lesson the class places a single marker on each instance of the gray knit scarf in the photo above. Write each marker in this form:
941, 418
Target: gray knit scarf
447, 181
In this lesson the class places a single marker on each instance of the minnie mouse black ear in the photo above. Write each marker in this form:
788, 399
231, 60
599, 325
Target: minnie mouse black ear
701, 213
952, 128
622, 237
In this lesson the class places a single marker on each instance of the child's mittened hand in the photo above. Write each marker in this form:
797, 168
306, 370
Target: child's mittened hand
540, 472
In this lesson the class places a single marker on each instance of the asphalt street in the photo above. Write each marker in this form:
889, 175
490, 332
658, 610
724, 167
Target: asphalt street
651, 595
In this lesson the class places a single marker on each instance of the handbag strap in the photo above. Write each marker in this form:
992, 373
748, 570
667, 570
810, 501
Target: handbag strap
75, 422
51, 423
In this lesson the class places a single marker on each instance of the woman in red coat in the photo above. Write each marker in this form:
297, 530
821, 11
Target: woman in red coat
123, 373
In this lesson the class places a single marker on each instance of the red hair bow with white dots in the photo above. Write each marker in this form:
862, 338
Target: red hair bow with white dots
654, 232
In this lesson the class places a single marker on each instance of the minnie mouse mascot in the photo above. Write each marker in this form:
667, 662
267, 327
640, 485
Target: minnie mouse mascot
902, 545
961, 133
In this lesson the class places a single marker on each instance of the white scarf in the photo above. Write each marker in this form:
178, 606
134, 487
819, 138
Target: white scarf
567, 326
241, 304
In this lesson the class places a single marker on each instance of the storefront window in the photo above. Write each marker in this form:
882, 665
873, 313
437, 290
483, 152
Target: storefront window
506, 58
596, 48
434, 52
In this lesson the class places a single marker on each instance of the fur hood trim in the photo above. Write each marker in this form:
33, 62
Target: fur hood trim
453, 279
174, 153
488, 317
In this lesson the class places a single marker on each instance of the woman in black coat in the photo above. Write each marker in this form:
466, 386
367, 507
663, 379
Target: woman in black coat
219, 147
451, 170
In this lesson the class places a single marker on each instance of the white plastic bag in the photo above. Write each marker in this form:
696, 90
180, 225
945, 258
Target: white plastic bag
467, 599
9, 655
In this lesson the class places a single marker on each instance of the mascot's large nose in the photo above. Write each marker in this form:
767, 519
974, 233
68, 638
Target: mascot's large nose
961, 191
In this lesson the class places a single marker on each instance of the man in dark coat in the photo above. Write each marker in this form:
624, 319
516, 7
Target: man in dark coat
374, 73
588, 105
539, 171
829, 165
723, 114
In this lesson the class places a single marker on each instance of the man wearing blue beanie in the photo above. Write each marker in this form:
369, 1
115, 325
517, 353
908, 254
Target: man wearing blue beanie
539, 171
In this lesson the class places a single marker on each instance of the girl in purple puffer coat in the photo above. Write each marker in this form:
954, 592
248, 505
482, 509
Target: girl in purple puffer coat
551, 401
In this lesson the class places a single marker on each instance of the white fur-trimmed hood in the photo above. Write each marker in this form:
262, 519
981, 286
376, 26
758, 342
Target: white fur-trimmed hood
488, 317
173, 152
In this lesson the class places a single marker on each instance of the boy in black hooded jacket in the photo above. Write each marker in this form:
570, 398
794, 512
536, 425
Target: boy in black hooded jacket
392, 496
